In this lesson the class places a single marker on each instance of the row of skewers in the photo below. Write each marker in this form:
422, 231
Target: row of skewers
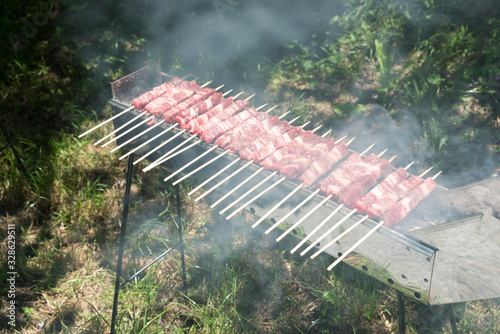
326, 165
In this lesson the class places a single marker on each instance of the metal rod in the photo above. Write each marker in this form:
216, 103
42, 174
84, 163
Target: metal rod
401, 313
200, 167
121, 247
181, 236
106, 121
139, 135
150, 264
248, 192
127, 131
334, 212
214, 176
148, 141
189, 164
303, 218
223, 181
159, 146
237, 187
119, 128
451, 315
340, 222
340, 236
255, 197
291, 212
277, 205
353, 247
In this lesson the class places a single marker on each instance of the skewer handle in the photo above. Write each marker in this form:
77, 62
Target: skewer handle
248, 192
334, 212
340, 236
214, 176
303, 218
291, 212
255, 197
353, 247
277, 205
200, 168
105, 122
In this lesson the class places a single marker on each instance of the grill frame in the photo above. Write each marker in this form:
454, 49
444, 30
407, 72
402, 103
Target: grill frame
415, 252
407, 260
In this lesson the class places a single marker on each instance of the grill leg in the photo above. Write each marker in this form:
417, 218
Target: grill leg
401, 313
122, 242
181, 236
451, 315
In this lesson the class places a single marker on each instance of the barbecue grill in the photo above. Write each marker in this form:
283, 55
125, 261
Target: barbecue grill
437, 255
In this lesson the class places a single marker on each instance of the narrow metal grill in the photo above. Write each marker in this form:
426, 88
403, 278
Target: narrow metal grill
451, 262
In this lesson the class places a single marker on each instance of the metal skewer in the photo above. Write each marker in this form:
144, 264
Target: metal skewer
349, 251
105, 122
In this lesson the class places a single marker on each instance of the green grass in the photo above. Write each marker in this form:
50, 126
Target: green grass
421, 57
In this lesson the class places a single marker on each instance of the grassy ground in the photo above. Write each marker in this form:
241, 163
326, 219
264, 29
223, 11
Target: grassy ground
422, 68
